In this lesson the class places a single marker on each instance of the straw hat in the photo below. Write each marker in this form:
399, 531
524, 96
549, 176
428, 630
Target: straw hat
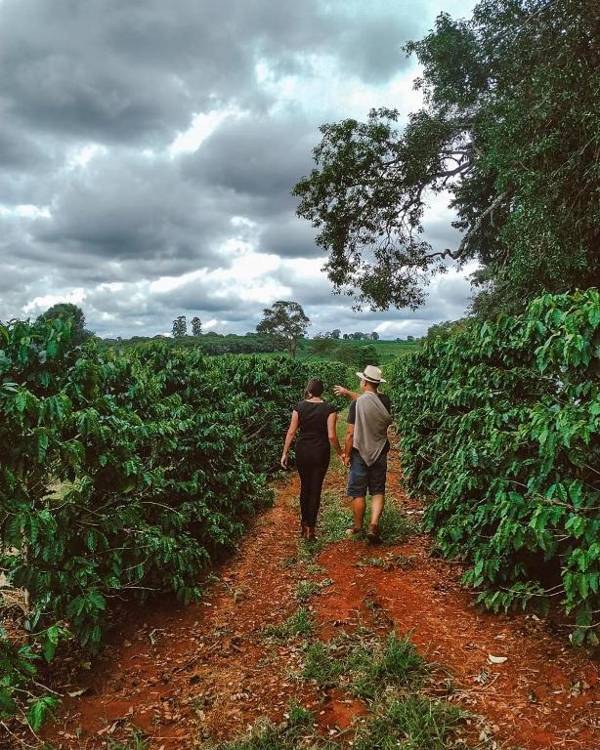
371, 374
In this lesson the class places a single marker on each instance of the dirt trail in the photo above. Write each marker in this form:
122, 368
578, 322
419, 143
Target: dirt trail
182, 674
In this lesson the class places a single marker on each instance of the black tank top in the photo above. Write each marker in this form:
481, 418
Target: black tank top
312, 422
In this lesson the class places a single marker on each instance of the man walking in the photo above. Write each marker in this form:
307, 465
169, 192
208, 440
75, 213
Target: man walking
366, 448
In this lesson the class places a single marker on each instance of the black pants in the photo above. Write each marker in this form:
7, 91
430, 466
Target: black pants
312, 462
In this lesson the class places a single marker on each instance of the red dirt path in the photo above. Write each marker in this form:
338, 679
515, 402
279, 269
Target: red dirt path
185, 673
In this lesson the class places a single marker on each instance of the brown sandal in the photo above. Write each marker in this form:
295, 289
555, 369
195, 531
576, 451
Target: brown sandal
373, 535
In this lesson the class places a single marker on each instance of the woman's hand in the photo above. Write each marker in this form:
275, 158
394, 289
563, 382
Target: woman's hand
284, 460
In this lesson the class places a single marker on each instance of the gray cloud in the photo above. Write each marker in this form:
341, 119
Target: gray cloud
128, 209
95, 206
259, 157
133, 72
288, 237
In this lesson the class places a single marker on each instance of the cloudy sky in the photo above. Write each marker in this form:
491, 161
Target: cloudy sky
148, 150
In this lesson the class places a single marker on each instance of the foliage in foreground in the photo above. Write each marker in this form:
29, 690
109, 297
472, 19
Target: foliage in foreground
500, 426
125, 473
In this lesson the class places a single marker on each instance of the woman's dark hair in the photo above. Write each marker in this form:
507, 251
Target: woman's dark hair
314, 387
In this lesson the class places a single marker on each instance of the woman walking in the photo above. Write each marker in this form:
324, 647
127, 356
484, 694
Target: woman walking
316, 420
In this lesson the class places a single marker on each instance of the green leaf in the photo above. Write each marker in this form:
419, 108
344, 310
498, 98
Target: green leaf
38, 711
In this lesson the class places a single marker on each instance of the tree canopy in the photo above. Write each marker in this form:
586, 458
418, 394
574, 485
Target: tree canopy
196, 326
69, 311
179, 328
509, 129
285, 321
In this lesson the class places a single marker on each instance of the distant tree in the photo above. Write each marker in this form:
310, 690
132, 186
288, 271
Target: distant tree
367, 356
410, 338
196, 326
179, 327
336, 333
356, 355
285, 321
346, 336
322, 346
441, 330
375, 336
69, 311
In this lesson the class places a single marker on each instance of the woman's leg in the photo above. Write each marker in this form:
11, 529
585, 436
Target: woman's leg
320, 466
304, 464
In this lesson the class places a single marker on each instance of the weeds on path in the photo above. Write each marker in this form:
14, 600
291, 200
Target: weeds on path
137, 742
411, 722
365, 667
336, 517
307, 589
298, 624
298, 731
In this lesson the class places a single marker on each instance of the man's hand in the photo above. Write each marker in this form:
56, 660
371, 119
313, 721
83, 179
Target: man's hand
346, 460
339, 390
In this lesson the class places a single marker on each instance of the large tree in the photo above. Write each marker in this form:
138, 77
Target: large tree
196, 326
179, 328
69, 311
510, 130
285, 321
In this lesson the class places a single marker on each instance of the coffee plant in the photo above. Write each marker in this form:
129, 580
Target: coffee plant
124, 473
500, 428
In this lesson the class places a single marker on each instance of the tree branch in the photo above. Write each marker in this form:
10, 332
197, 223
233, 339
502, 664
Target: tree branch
455, 255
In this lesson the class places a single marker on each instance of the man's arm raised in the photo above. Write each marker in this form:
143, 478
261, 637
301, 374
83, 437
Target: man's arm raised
339, 390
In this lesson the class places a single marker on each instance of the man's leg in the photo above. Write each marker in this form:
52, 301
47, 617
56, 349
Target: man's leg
359, 505
377, 503
357, 489
377, 479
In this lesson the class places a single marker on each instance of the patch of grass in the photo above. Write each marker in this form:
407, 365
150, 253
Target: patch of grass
389, 562
306, 589
262, 736
137, 742
412, 722
335, 518
322, 665
395, 526
296, 733
307, 550
395, 663
298, 716
367, 667
313, 568
300, 623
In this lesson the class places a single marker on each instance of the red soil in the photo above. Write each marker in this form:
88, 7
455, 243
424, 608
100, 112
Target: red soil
545, 696
185, 673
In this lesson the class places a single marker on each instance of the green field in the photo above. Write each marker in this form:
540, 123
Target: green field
386, 350
215, 344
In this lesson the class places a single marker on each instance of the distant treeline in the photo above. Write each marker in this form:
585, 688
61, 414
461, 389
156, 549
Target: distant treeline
209, 343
